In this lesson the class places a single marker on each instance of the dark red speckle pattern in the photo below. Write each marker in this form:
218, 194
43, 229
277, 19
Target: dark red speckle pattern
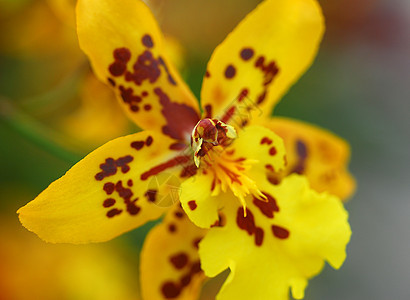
248, 224
110, 166
138, 145
148, 68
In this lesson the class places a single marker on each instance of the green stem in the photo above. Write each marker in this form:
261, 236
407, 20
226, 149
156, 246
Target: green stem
34, 131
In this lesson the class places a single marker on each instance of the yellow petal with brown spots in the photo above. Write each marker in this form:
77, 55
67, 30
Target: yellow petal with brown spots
125, 47
316, 153
170, 267
118, 187
258, 62
281, 243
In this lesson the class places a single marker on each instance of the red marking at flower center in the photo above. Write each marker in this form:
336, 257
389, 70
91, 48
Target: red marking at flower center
232, 175
169, 164
180, 118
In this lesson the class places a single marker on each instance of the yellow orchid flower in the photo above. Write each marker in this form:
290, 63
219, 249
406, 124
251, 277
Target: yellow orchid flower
230, 198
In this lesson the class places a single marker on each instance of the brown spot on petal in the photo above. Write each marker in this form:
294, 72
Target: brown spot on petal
151, 195
259, 233
170, 290
269, 167
186, 280
147, 107
147, 41
192, 205
179, 214
145, 68
230, 71
246, 53
134, 108
266, 140
113, 212
149, 141
122, 54
267, 208
109, 167
109, 188
137, 145
172, 228
280, 232
301, 149
117, 68
179, 260
245, 223
109, 202
126, 194
272, 151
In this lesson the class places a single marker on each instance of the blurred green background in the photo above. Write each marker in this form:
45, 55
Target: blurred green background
358, 87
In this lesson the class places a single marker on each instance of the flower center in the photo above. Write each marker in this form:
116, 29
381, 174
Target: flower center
209, 133
211, 141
